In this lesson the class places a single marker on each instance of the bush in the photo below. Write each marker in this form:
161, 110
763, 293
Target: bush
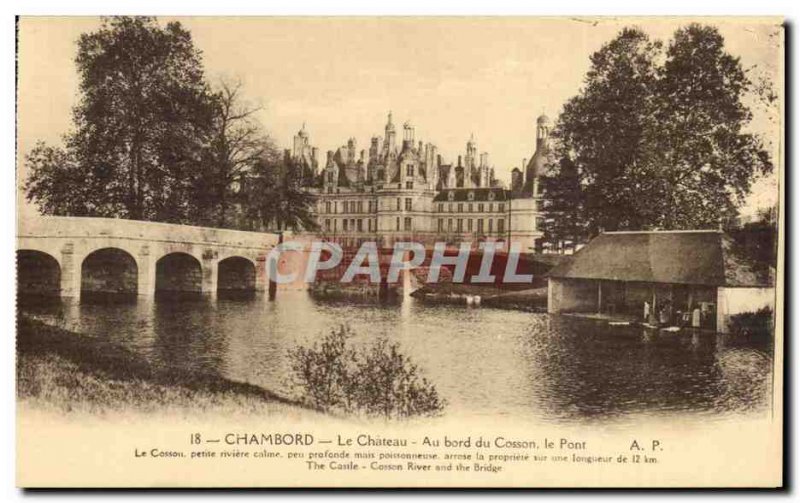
753, 324
375, 380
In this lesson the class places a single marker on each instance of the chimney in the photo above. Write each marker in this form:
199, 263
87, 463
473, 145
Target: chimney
459, 161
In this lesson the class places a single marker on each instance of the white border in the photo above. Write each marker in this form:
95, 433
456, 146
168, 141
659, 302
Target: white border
789, 9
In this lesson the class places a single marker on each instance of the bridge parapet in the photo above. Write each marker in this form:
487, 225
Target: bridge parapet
90, 227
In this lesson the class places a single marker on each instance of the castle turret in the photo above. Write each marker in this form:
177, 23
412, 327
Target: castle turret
516, 179
408, 136
389, 139
536, 167
331, 173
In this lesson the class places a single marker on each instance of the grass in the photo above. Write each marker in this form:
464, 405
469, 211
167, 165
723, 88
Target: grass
70, 372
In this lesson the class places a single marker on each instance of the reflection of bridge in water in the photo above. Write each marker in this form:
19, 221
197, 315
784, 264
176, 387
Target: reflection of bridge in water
79, 256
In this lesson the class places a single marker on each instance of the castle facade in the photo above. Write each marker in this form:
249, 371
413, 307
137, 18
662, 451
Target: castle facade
406, 192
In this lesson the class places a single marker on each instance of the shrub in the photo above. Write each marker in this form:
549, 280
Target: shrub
374, 379
753, 324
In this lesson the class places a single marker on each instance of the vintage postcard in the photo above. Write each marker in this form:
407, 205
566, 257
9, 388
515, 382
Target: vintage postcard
412, 252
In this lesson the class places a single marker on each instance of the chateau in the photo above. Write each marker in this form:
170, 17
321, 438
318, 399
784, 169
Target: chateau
395, 193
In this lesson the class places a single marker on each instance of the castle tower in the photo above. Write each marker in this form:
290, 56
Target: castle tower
470, 161
331, 172
543, 127
389, 138
300, 144
536, 167
516, 179
408, 136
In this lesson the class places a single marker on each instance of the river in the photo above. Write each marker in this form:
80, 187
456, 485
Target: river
483, 361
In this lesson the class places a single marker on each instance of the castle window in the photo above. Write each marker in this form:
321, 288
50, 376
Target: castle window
490, 226
471, 196
460, 207
491, 207
501, 225
408, 204
451, 195
450, 207
409, 185
327, 206
491, 196
480, 207
361, 206
440, 225
359, 225
327, 224
398, 207
397, 221
407, 224
449, 224
501, 207
469, 225
352, 224
441, 207
410, 170
460, 225
469, 207
344, 224
335, 207
480, 225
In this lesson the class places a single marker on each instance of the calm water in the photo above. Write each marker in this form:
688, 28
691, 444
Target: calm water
483, 361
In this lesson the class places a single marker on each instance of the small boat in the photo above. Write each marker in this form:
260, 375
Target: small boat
619, 323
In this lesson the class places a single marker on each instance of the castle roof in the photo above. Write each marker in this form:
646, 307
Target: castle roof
703, 257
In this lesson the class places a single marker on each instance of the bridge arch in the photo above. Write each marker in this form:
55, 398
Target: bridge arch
236, 275
109, 274
38, 274
178, 274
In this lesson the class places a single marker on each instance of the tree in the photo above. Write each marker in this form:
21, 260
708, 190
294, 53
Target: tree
602, 131
564, 222
657, 138
142, 121
276, 199
701, 156
237, 146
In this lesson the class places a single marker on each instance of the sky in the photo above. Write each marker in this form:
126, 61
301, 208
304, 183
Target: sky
450, 77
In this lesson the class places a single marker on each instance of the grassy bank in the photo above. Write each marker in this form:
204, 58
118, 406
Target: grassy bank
67, 371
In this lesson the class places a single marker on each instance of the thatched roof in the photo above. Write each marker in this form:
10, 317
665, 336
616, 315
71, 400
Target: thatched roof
686, 257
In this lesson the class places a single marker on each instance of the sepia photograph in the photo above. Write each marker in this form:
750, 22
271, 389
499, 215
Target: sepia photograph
399, 251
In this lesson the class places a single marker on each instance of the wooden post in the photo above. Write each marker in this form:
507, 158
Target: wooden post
599, 295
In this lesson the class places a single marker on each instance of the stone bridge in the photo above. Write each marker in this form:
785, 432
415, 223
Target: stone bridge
76, 256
